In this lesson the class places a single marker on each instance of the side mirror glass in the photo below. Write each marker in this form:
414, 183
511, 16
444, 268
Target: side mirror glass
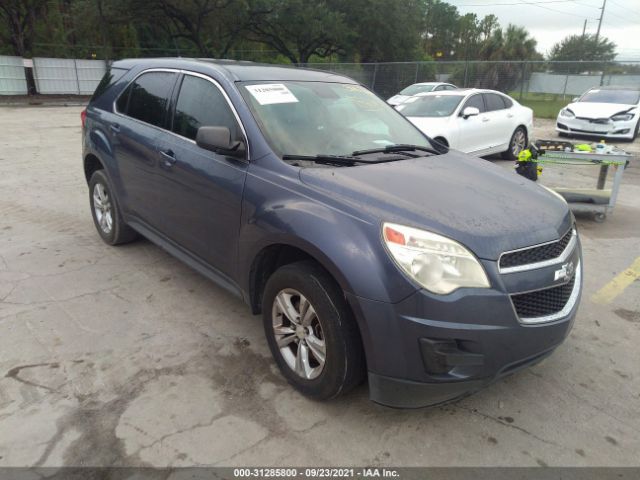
470, 112
218, 140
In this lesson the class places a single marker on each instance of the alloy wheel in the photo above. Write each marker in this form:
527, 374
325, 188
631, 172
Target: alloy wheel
298, 333
102, 208
519, 142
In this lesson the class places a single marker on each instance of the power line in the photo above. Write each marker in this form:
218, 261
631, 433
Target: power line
506, 4
624, 7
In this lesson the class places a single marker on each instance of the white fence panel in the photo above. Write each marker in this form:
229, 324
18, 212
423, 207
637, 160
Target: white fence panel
13, 80
90, 72
576, 84
67, 76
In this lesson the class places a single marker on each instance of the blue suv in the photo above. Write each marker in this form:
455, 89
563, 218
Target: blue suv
370, 250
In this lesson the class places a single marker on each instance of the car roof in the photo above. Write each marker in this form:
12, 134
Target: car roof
236, 71
460, 91
431, 83
616, 87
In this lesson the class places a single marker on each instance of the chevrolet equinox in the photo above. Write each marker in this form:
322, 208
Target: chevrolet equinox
369, 250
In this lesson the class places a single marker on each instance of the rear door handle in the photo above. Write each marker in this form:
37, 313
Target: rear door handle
485, 119
168, 158
115, 128
510, 115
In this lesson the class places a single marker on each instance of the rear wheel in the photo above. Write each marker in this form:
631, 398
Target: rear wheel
311, 331
105, 211
517, 143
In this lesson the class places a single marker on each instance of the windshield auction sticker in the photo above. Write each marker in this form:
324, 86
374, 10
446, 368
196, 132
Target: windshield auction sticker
268, 94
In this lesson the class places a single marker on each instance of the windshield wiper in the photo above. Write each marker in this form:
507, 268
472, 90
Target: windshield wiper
398, 148
345, 160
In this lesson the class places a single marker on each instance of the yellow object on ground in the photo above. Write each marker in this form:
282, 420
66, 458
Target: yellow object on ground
524, 155
617, 285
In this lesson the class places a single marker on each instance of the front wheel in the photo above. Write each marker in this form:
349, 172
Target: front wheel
517, 143
311, 331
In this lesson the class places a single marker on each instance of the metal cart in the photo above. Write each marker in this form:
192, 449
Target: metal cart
599, 201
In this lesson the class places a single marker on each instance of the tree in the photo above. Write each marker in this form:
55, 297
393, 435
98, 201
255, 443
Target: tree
299, 29
582, 48
383, 31
19, 18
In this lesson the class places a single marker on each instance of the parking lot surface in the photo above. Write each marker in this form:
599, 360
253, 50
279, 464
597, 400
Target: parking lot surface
124, 356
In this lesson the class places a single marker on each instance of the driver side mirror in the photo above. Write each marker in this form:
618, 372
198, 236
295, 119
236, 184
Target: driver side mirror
218, 140
470, 112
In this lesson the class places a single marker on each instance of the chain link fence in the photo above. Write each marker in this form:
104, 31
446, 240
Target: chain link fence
544, 86
534, 83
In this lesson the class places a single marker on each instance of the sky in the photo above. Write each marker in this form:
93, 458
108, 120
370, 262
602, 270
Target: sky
549, 21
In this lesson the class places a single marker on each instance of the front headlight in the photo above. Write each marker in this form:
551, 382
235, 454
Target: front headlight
437, 263
566, 113
622, 117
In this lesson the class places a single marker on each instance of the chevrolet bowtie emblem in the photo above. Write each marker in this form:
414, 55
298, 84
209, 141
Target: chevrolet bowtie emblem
565, 272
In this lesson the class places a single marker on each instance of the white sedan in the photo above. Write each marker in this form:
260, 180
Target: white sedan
609, 112
417, 88
480, 122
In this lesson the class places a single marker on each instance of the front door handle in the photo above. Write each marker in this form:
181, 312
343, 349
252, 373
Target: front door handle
485, 119
115, 128
168, 158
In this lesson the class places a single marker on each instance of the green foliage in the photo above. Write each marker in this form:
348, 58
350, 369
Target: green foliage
296, 31
583, 48
512, 43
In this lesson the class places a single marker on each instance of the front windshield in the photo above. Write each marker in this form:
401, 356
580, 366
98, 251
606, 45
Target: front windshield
416, 89
432, 106
311, 118
626, 97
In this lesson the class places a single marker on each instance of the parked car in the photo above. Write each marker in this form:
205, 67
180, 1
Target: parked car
606, 112
479, 122
367, 252
417, 88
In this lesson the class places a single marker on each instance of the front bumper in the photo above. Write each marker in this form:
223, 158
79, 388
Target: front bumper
588, 128
429, 349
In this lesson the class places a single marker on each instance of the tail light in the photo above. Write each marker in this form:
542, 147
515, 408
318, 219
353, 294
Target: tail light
83, 117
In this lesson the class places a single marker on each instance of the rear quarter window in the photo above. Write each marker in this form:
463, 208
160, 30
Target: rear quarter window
111, 76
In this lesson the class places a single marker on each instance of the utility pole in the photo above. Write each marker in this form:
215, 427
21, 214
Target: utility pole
584, 28
604, 4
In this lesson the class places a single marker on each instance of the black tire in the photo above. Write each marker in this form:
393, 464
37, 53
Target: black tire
344, 364
509, 153
118, 231
563, 135
635, 132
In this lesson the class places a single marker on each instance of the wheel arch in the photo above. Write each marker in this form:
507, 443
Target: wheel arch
275, 255
91, 164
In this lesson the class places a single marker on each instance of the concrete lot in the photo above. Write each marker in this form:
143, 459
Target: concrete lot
124, 356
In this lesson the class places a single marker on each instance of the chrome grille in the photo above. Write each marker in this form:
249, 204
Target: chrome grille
548, 304
536, 254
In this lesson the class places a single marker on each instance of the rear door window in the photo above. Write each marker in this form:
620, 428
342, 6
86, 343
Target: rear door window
201, 103
475, 101
493, 102
147, 97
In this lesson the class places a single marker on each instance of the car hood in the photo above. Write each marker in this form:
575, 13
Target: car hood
597, 110
432, 126
485, 207
397, 99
